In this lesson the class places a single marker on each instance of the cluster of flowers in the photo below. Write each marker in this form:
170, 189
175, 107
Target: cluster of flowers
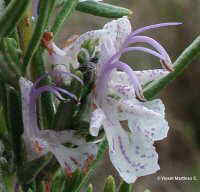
131, 123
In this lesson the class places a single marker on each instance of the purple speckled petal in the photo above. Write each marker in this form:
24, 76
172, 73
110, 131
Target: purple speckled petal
147, 76
96, 121
72, 158
147, 117
133, 155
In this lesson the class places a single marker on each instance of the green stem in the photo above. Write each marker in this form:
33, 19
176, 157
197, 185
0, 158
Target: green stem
15, 124
110, 185
103, 9
188, 55
68, 8
7, 48
125, 187
29, 170
12, 16
45, 7
25, 29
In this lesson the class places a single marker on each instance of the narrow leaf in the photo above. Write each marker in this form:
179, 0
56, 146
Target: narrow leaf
45, 7
12, 16
15, 124
63, 15
90, 188
103, 9
29, 170
125, 187
110, 184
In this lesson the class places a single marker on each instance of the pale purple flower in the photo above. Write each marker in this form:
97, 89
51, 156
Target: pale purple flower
39, 142
131, 126
116, 95
118, 43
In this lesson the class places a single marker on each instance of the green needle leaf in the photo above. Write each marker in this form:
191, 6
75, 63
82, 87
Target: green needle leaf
15, 123
90, 188
103, 9
12, 16
67, 9
125, 187
110, 184
45, 8
30, 170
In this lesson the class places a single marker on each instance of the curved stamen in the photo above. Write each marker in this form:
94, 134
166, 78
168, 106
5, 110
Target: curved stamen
101, 86
143, 49
133, 78
156, 45
37, 92
53, 73
116, 56
143, 29
65, 91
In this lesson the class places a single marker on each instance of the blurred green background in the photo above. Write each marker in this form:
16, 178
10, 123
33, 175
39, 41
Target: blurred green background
179, 154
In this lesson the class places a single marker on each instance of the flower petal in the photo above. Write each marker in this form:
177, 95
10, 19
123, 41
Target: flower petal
147, 117
96, 121
119, 30
72, 158
133, 79
133, 155
111, 38
61, 137
28, 108
146, 76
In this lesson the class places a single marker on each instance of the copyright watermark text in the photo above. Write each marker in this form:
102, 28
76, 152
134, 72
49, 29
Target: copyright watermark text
177, 178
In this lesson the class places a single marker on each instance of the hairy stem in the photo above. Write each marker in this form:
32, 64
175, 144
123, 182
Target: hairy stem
45, 6
66, 11
12, 16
